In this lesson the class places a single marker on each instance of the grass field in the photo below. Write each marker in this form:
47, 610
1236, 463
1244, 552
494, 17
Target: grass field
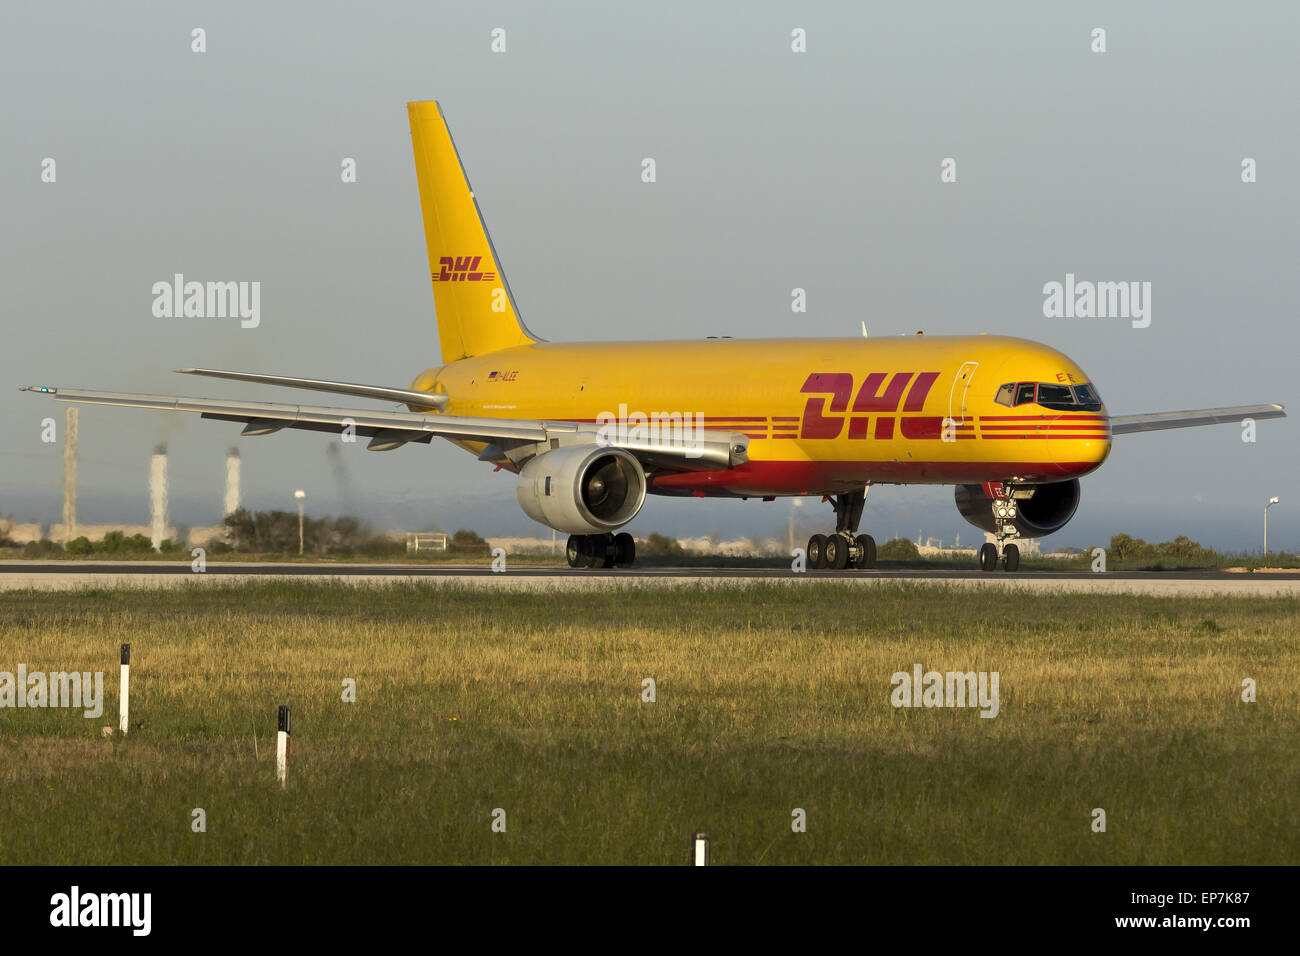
769, 697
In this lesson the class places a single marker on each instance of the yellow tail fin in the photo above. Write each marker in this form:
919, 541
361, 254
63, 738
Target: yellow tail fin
475, 310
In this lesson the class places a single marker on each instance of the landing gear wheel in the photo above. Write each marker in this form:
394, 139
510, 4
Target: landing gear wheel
817, 552
575, 552
837, 552
989, 557
866, 551
1011, 558
624, 549
602, 550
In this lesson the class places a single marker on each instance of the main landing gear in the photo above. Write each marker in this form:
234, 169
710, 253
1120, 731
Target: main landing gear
600, 550
845, 548
1004, 513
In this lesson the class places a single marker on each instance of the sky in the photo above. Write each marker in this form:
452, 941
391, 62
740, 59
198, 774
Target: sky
775, 170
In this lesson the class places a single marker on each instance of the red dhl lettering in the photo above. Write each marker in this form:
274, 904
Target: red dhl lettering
823, 420
461, 269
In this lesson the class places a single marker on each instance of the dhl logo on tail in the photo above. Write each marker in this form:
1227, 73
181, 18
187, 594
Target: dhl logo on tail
461, 269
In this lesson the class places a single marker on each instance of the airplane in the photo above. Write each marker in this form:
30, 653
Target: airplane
591, 428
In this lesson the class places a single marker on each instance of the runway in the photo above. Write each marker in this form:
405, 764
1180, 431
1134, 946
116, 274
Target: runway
64, 575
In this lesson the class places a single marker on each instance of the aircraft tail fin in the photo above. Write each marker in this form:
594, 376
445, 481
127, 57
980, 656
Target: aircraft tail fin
475, 310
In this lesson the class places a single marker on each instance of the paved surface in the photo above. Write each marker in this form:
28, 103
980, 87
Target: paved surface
63, 575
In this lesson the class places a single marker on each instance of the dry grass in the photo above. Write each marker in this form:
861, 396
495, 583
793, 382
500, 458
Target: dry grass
769, 698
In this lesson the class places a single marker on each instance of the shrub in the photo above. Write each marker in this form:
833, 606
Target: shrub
381, 547
1181, 552
266, 532
138, 544
899, 549
661, 546
112, 543
467, 542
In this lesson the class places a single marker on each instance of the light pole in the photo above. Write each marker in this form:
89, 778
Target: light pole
300, 495
1271, 503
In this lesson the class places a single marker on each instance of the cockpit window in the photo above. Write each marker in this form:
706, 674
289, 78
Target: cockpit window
1061, 398
1055, 396
1087, 395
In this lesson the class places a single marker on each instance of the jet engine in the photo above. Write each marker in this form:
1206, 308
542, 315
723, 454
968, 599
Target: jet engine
587, 489
1038, 509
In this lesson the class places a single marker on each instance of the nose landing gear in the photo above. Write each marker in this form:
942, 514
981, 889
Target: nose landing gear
1004, 513
989, 558
1010, 558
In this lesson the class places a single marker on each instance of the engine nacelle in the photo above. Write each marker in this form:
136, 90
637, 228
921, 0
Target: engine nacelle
587, 489
1048, 509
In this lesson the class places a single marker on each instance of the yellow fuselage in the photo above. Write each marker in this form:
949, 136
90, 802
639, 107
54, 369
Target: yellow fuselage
823, 415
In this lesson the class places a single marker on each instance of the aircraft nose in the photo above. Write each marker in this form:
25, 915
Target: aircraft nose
1079, 443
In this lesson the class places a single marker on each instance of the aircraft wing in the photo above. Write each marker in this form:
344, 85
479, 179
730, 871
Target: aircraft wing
509, 441
405, 395
1155, 421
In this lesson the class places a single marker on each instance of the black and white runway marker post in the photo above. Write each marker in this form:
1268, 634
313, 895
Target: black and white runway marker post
124, 689
282, 746
701, 849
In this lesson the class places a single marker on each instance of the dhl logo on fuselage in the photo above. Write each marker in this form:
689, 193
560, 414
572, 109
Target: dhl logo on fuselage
878, 399
461, 269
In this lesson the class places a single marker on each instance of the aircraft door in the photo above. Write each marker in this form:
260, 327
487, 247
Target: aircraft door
957, 395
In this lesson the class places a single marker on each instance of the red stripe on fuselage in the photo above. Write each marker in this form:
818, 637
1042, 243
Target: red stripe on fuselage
1045, 428
1044, 418
830, 477
1031, 436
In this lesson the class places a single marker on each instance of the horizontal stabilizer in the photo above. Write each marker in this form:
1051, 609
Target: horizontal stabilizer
1191, 418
